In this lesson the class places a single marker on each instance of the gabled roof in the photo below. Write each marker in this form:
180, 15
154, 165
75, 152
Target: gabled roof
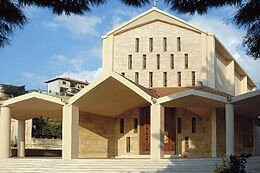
68, 79
148, 17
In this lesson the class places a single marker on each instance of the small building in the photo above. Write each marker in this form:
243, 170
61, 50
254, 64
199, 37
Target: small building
65, 86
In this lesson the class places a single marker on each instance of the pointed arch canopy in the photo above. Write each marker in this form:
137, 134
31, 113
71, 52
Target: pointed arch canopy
111, 95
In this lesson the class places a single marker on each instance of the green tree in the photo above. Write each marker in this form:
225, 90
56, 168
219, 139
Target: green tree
247, 15
46, 128
13, 91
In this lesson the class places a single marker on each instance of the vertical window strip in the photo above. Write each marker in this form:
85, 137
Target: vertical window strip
122, 126
158, 61
165, 79
136, 44
135, 125
164, 44
193, 124
172, 61
137, 77
179, 125
151, 79
130, 62
144, 61
179, 79
193, 76
186, 61
150, 44
178, 43
128, 145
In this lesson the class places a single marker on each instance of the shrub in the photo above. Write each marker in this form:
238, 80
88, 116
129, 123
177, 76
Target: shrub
233, 164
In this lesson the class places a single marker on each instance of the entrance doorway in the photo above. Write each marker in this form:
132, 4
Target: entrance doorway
169, 127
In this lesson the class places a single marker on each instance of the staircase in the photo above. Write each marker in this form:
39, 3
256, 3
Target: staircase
46, 165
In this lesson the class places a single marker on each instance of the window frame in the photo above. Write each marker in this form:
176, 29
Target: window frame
137, 77
158, 61
172, 61
165, 82
150, 79
178, 44
130, 62
151, 44
144, 61
164, 44
137, 44
179, 78
193, 125
121, 126
193, 78
186, 61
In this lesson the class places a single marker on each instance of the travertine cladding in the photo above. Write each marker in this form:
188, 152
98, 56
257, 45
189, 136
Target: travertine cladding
199, 142
124, 44
96, 136
128, 117
243, 126
99, 136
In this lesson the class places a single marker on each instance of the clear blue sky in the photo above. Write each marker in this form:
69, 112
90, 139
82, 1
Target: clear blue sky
50, 46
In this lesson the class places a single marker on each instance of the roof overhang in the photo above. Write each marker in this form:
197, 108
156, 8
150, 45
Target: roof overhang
193, 98
34, 104
110, 95
247, 104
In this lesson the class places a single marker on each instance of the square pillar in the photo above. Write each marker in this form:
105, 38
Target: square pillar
157, 132
70, 135
214, 133
230, 129
21, 139
5, 132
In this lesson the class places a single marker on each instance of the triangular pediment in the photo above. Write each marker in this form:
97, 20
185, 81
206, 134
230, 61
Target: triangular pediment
151, 16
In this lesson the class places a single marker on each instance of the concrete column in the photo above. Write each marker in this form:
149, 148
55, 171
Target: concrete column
21, 138
157, 132
213, 133
5, 132
70, 135
230, 129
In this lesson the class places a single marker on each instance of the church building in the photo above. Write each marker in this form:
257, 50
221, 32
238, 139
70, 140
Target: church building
168, 90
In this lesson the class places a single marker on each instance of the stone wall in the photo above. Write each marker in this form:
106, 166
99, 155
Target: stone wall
199, 142
96, 136
243, 128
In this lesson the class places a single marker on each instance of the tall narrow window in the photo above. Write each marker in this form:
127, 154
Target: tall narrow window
128, 144
179, 125
186, 61
136, 44
164, 44
144, 61
193, 78
123, 74
130, 62
135, 125
122, 126
178, 43
136, 77
179, 79
193, 125
150, 44
158, 61
151, 79
165, 79
172, 61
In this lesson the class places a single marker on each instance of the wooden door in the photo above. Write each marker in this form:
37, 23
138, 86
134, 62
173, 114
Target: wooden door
145, 130
170, 131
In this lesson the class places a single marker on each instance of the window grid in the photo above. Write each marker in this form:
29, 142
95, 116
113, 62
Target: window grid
186, 61
158, 61
150, 44
165, 79
193, 77
178, 43
137, 77
179, 79
164, 44
144, 61
136, 44
151, 79
130, 62
172, 61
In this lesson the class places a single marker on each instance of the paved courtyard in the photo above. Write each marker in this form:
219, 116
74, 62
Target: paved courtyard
55, 165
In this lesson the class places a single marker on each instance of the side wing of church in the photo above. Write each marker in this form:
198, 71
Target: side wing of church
168, 89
